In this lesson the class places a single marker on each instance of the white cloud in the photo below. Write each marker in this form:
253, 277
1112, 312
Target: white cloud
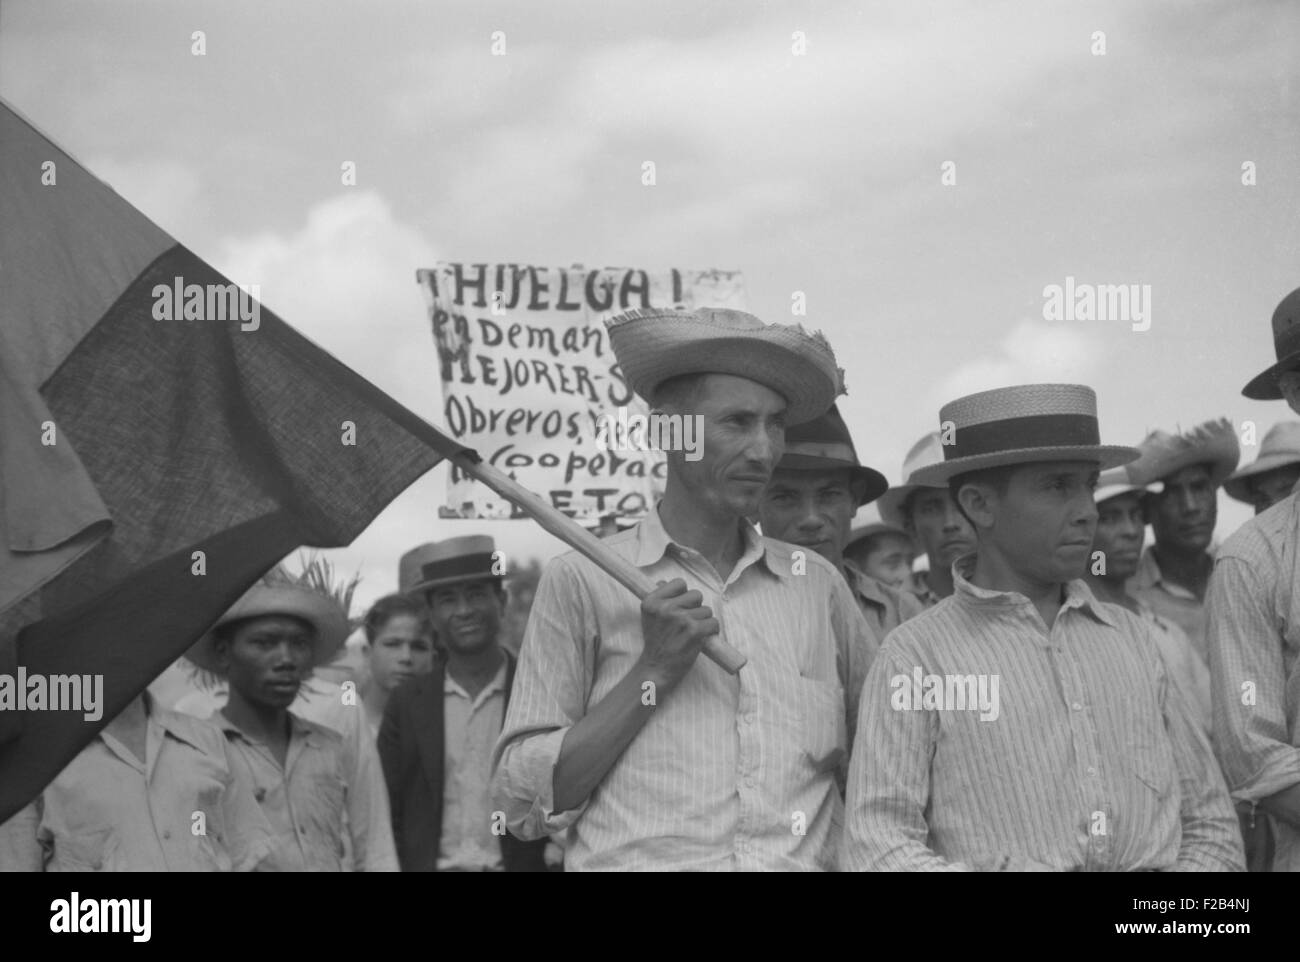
1034, 351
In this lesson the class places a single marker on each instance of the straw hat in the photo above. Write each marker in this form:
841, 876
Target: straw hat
1281, 446
824, 444
1213, 443
1286, 347
867, 530
1021, 425
451, 562
322, 612
1113, 483
926, 451
655, 345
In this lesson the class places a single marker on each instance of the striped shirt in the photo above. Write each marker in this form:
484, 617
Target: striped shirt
1171, 601
730, 772
1090, 759
884, 608
1184, 666
1254, 633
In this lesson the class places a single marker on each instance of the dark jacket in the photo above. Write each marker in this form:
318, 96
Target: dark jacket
411, 750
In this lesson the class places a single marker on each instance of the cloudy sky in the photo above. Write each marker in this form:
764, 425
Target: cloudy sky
818, 173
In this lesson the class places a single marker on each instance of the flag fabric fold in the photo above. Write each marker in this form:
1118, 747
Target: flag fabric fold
150, 470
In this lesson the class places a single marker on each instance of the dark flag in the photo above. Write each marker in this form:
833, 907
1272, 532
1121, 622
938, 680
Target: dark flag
150, 468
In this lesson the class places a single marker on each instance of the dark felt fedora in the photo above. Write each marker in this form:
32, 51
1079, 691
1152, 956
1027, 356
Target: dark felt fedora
824, 444
1286, 347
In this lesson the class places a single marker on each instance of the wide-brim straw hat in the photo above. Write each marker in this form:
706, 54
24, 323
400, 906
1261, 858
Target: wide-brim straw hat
1286, 348
1021, 425
1213, 443
654, 345
453, 562
324, 614
1280, 448
924, 452
824, 444
1113, 483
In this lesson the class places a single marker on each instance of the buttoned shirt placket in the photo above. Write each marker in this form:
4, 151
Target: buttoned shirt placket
749, 757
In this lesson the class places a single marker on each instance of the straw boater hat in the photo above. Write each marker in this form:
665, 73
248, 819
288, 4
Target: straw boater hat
824, 444
655, 345
1280, 448
1213, 444
1286, 346
452, 562
928, 450
278, 596
1021, 425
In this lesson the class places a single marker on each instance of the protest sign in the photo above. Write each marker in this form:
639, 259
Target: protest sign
528, 376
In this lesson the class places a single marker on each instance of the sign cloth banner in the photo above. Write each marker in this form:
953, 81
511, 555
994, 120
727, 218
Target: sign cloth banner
528, 380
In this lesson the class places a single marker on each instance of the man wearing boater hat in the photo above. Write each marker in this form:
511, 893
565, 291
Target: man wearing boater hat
1254, 632
1273, 475
439, 729
930, 515
618, 733
1184, 471
817, 486
1020, 723
309, 779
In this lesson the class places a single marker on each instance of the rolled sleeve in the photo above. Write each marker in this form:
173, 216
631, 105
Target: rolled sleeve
552, 684
1249, 685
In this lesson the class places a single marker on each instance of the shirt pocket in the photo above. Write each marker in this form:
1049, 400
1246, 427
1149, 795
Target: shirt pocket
820, 714
86, 850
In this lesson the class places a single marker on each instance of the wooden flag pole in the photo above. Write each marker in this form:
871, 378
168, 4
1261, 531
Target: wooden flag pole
582, 540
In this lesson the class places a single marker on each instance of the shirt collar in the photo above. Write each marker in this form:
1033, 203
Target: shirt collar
299, 729
1148, 574
651, 542
1077, 594
864, 586
450, 686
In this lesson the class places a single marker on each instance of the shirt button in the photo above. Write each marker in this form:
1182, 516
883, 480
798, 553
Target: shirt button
1077, 707
1091, 770
749, 780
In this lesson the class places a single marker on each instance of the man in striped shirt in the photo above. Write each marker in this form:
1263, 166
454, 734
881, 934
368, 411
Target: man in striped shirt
648, 757
1020, 724
1254, 633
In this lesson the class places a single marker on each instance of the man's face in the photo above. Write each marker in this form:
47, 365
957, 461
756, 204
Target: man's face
939, 528
467, 616
267, 659
1120, 526
813, 509
889, 559
1183, 514
1045, 523
744, 438
1270, 487
401, 650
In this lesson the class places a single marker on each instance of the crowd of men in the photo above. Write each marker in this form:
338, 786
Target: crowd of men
1045, 694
